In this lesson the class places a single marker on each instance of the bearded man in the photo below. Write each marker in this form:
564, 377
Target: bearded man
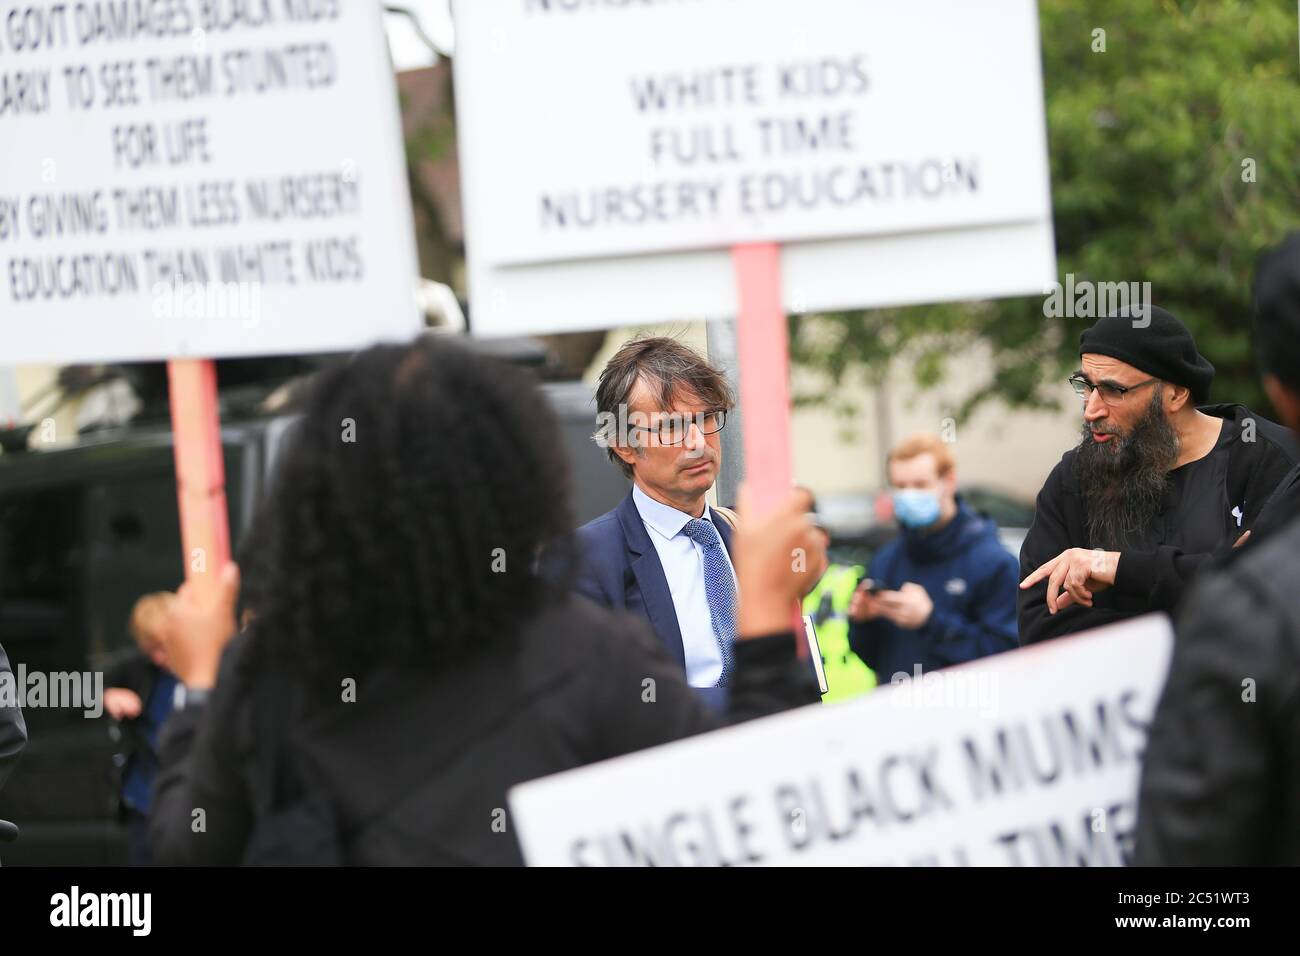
1159, 484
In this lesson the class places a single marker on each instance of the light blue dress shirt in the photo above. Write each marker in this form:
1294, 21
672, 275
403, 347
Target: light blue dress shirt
683, 564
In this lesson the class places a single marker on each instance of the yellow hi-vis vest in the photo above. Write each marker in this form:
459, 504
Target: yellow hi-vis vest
828, 603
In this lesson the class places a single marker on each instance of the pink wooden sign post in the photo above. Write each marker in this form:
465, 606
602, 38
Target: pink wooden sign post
763, 349
200, 470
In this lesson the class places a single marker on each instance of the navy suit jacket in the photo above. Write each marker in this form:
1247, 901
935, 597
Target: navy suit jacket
617, 566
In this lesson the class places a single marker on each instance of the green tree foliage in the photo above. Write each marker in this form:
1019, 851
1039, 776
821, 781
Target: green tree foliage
1153, 144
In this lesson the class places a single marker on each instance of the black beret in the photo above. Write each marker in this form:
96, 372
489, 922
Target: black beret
1155, 342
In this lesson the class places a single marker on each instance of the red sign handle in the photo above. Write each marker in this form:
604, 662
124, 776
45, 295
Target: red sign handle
763, 350
200, 470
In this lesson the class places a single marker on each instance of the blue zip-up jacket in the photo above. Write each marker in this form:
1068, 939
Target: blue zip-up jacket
972, 580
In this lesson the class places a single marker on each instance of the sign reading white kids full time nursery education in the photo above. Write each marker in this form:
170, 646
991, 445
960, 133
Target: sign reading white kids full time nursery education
611, 152
1029, 758
199, 178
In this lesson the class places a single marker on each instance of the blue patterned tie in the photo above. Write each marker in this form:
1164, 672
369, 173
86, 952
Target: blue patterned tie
719, 589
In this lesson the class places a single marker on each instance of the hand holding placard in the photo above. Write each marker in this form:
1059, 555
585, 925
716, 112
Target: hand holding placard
766, 546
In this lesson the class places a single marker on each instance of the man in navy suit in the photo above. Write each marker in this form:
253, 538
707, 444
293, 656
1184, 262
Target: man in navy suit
663, 553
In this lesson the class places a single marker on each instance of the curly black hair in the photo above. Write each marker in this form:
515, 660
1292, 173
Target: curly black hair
406, 513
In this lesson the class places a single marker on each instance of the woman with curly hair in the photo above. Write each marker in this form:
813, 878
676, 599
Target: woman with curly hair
406, 664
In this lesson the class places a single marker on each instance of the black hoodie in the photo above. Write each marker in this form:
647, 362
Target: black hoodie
1211, 502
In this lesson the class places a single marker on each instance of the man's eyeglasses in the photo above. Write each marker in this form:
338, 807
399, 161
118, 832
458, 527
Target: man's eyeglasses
673, 428
1111, 394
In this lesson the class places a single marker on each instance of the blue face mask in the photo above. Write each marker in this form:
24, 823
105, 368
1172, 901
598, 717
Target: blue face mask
915, 508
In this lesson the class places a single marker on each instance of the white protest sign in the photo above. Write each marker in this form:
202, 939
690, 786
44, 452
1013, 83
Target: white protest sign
1029, 758
202, 178
611, 153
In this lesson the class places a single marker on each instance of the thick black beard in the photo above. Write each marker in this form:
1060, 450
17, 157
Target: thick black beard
1124, 480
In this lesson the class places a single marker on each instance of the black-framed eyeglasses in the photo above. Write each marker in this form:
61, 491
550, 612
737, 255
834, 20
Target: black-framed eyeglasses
1111, 393
673, 427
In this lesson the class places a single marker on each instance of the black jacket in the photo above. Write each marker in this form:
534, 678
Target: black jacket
416, 770
1221, 774
1282, 506
132, 669
13, 729
1148, 580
